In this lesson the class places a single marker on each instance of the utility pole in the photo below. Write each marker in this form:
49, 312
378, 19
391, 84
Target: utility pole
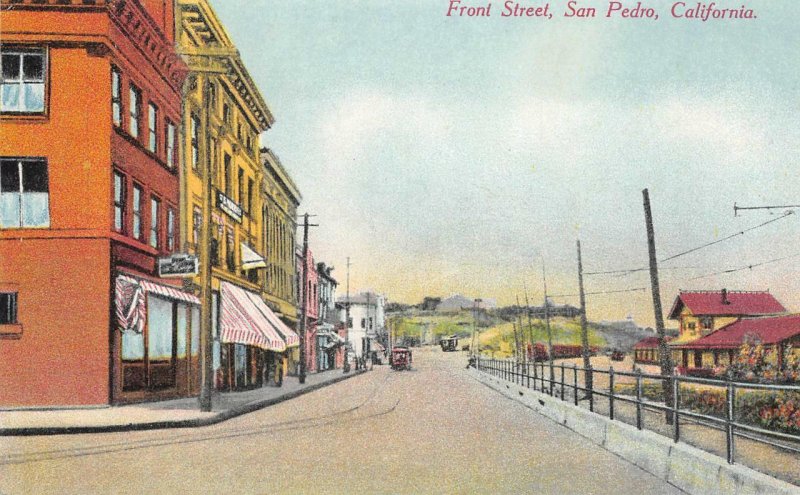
346, 364
472, 349
549, 331
587, 365
206, 320
530, 324
304, 302
519, 338
664, 357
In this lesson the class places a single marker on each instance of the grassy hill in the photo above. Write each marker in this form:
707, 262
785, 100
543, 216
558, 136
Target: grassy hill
496, 335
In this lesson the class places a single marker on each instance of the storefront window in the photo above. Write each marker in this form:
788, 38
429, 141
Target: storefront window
195, 330
132, 346
181, 351
240, 364
159, 322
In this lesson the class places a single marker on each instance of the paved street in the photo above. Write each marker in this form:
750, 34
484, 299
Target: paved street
430, 430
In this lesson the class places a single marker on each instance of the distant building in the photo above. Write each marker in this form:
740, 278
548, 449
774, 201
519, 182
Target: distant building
626, 324
457, 302
367, 320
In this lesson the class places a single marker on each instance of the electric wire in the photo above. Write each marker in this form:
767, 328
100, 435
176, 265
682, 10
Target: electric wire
748, 267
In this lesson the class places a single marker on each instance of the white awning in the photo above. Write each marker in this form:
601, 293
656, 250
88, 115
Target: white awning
251, 259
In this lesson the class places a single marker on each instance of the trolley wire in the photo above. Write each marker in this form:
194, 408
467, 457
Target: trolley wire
747, 267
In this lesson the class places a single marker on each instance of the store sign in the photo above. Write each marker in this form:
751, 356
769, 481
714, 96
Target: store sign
178, 265
229, 206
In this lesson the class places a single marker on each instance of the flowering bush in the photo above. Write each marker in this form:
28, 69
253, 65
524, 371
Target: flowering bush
751, 364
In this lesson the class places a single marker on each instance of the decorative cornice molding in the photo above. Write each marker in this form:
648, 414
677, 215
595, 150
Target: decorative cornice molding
134, 21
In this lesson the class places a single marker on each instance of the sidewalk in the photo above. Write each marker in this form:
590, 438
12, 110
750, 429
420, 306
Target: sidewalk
177, 413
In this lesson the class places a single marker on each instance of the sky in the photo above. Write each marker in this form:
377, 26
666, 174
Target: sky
461, 155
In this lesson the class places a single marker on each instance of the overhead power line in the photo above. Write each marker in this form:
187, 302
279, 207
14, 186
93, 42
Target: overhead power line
637, 289
702, 246
748, 267
727, 237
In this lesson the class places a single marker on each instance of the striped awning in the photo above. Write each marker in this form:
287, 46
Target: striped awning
130, 301
251, 259
289, 336
242, 322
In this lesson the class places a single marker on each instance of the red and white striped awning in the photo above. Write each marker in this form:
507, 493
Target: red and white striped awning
242, 322
289, 336
130, 303
169, 292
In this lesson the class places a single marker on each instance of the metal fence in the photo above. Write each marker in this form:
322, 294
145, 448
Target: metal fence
562, 380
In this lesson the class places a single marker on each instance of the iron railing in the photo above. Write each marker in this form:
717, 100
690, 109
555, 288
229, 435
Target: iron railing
554, 380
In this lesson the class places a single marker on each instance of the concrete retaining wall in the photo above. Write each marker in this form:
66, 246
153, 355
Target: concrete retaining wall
688, 468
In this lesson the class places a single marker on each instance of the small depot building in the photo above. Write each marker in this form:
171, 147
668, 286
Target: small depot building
720, 348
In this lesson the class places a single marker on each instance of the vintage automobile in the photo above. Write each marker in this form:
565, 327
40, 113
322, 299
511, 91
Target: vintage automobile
449, 344
400, 358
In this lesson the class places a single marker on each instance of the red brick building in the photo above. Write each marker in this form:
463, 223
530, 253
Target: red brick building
91, 97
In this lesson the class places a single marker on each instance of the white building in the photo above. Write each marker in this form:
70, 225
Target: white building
367, 319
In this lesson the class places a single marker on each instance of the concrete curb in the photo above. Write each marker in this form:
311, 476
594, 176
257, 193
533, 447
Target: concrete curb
683, 466
185, 423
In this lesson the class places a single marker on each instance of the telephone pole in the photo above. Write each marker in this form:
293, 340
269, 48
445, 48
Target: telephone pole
664, 357
587, 365
549, 331
530, 325
346, 364
304, 302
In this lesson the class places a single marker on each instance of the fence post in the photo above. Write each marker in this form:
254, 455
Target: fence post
575, 382
730, 399
562, 382
676, 400
639, 398
528, 373
611, 393
588, 372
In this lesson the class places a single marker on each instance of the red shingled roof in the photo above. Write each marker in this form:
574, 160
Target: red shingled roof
768, 330
709, 303
649, 342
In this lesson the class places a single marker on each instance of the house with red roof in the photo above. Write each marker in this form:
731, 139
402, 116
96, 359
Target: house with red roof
775, 333
646, 350
702, 313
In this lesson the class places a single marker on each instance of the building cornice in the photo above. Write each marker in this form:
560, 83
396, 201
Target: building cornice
216, 53
273, 164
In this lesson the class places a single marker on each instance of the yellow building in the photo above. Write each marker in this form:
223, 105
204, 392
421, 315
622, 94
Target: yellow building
702, 313
281, 198
224, 114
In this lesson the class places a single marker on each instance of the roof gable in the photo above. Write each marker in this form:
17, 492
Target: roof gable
739, 303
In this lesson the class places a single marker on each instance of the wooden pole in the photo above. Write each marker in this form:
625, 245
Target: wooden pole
664, 357
587, 365
549, 331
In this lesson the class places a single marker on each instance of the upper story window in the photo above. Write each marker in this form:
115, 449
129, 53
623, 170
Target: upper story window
155, 207
137, 211
170, 230
197, 225
194, 131
227, 172
24, 193
135, 102
23, 80
226, 113
152, 128
170, 144
119, 202
240, 184
8, 308
116, 96
249, 205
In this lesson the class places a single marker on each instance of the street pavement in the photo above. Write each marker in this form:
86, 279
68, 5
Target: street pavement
433, 429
